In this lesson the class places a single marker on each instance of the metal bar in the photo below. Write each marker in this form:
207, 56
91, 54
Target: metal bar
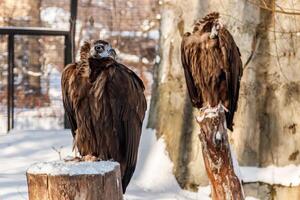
32, 31
70, 43
10, 88
73, 9
68, 50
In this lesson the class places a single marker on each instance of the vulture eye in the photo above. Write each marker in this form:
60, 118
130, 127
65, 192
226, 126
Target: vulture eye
99, 48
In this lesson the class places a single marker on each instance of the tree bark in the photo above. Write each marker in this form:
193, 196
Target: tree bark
101, 186
217, 157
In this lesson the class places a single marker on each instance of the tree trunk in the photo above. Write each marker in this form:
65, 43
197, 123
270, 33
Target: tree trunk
72, 181
225, 185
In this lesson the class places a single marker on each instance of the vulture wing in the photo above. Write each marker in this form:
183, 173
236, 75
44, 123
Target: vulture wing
186, 51
68, 105
234, 71
124, 104
128, 104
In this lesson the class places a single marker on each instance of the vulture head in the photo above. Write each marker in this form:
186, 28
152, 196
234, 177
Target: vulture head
102, 49
209, 24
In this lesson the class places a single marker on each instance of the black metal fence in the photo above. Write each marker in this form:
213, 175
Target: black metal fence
14, 32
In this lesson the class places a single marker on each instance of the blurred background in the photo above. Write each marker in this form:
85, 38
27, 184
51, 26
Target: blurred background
130, 26
147, 35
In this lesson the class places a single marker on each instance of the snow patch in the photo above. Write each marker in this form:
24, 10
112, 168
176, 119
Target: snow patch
72, 168
286, 176
157, 170
152, 180
235, 164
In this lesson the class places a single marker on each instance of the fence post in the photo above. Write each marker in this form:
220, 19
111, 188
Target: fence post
10, 85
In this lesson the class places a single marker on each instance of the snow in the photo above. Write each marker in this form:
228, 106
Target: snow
72, 168
152, 180
235, 164
153, 177
286, 176
20, 149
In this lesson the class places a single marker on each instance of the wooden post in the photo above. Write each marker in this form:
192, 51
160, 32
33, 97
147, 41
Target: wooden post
74, 181
225, 184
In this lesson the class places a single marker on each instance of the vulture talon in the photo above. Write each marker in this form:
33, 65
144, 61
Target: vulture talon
89, 158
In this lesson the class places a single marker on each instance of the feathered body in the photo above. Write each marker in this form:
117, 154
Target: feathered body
212, 66
105, 106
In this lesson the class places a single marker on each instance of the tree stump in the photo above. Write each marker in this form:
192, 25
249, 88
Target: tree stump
61, 180
225, 184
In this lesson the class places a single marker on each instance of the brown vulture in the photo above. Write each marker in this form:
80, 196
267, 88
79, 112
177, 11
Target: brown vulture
212, 66
105, 105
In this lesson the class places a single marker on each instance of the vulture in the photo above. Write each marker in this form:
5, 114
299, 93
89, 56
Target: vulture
105, 105
212, 66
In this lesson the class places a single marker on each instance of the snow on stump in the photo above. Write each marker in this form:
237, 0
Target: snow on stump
74, 181
225, 185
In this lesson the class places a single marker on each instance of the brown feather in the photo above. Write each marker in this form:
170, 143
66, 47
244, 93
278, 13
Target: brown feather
212, 66
105, 104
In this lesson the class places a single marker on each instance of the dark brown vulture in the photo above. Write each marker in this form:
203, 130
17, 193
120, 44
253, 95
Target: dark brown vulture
212, 66
105, 105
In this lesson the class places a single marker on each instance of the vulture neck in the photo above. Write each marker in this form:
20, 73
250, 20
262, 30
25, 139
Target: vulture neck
98, 65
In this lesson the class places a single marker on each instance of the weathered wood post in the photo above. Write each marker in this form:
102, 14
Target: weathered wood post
74, 181
225, 184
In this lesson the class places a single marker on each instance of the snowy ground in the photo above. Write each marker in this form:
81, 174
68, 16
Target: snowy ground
153, 177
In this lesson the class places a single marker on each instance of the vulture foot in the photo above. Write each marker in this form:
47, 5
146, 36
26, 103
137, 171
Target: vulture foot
90, 158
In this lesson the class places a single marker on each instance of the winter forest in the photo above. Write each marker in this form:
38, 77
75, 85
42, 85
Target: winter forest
183, 151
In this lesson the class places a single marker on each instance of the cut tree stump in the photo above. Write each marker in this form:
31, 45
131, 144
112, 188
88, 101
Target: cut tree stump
61, 180
225, 185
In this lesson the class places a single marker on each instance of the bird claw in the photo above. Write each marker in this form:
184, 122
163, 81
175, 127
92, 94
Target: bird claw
90, 158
